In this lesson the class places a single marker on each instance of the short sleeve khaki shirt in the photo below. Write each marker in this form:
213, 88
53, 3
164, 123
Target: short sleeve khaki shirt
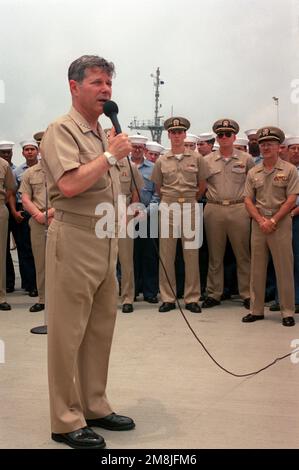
127, 185
271, 189
227, 178
68, 143
179, 177
7, 180
34, 184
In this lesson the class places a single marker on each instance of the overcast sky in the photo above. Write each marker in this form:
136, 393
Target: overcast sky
218, 58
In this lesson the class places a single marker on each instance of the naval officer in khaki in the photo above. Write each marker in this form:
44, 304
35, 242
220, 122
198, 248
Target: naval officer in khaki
179, 176
35, 201
7, 184
270, 195
225, 214
81, 295
126, 244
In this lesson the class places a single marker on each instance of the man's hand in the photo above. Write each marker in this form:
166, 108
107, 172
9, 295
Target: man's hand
39, 217
18, 217
119, 145
267, 226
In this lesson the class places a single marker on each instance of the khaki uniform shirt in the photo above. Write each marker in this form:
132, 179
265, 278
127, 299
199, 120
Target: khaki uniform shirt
179, 177
227, 178
7, 180
68, 143
127, 185
34, 184
271, 189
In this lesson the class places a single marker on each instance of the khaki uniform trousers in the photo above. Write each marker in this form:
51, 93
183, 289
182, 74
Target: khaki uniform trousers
167, 248
233, 222
81, 302
125, 256
3, 243
280, 245
38, 243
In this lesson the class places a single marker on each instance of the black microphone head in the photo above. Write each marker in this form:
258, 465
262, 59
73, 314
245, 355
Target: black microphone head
110, 108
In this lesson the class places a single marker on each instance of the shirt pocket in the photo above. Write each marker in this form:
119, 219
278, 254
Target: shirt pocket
238, 174
190, 174
258, 183
214, 175
169, 176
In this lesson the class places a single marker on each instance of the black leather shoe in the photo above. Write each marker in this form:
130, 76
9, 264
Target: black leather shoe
127, 308
250, 318
37, 308
288, 321
246, 303
113, 422
84, 438
193, 307
210, 302
275, 307
226, 296
33, 293
151, 300
166, 307
9, 290
5, 306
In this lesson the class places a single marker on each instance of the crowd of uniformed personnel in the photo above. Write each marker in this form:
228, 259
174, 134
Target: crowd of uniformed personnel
248, 187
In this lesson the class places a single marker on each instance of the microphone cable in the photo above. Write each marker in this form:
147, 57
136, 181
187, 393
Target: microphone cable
111, 112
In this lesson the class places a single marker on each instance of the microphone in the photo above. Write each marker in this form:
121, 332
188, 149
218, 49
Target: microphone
110, 109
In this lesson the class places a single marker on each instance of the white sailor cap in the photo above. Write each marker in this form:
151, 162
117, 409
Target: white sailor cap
191, 138
6, 145
32, 142
205, 136
138, 139
241, 141
286, 137
154, 147
292, 141
250, 132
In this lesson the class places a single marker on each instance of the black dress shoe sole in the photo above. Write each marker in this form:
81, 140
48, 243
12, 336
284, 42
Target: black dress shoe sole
290, 322
37, 308
5, 308
74, 445
97, 424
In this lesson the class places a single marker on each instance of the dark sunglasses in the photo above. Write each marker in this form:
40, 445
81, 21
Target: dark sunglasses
226, 134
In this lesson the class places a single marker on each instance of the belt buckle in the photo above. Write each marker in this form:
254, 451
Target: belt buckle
181, 199
268, 212
225, 202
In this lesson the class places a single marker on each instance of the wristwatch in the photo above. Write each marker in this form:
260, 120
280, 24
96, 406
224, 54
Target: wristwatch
110, 158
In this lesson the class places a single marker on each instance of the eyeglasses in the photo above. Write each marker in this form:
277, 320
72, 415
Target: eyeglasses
226, 134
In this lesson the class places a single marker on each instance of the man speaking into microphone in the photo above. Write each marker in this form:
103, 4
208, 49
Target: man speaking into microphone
81, 169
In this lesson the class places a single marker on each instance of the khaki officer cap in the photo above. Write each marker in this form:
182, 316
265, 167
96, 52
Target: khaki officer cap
223, 125
176, 123
38, 136
270, 133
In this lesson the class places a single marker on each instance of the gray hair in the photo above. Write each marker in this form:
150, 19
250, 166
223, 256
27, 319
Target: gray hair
77, 68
